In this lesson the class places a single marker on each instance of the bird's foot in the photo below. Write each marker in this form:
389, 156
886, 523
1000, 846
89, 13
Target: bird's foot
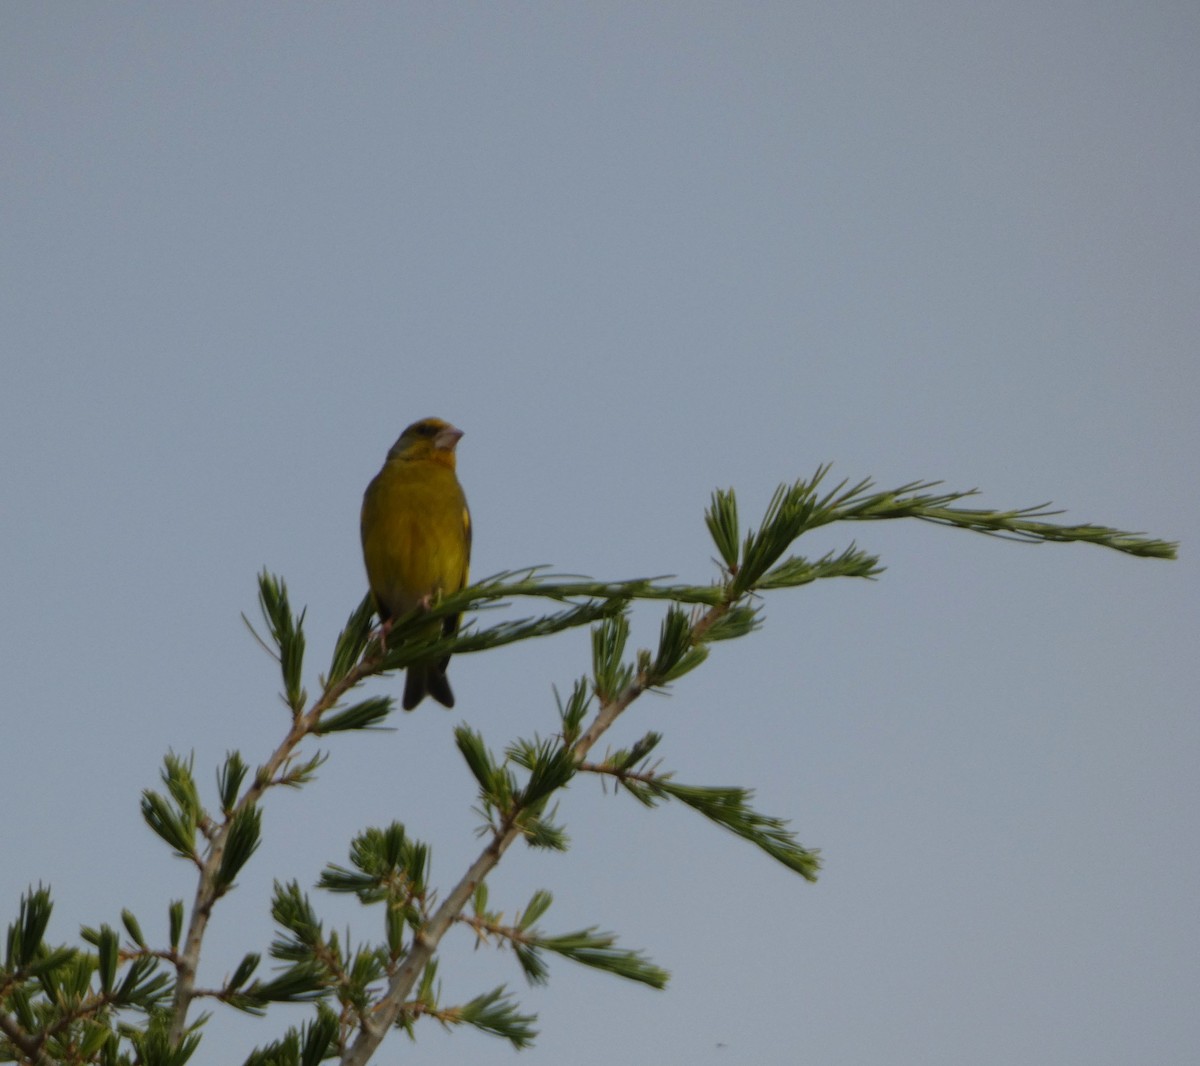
381, 635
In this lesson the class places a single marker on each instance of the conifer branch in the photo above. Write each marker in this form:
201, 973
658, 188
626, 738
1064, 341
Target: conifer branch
1023, 523
388, 867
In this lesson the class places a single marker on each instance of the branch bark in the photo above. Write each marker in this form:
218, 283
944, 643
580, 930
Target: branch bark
29, 1046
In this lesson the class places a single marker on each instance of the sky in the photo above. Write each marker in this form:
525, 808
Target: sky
636, 252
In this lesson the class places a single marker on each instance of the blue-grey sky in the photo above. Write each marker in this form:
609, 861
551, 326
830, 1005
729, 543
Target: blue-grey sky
636, 251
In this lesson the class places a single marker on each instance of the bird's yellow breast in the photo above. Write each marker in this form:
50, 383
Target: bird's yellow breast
415, 534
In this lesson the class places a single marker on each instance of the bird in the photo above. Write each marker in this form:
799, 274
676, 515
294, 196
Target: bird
416, 540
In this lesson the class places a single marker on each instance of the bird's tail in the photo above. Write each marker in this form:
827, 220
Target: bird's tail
427, 679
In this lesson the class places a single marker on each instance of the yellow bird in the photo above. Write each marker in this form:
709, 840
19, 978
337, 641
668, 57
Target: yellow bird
416, 537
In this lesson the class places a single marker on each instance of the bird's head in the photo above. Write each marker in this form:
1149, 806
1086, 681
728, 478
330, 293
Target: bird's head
430, 438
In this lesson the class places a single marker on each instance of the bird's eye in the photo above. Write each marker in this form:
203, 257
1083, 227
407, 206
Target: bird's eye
427, 429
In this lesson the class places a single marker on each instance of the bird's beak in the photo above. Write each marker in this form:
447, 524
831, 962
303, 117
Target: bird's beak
447, 439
